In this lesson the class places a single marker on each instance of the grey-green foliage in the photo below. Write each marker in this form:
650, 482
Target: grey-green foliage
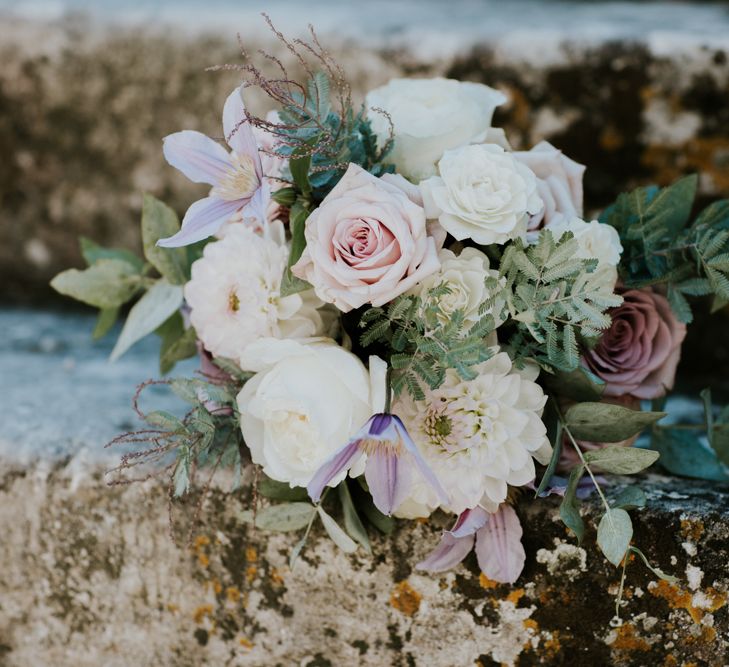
423, 341
553, 301
662, 247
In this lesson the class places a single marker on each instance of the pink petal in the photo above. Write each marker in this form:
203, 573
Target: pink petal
499, 549
334, 466
388, 478
449, 552
202, 219
237, 129
197, 156
469, 521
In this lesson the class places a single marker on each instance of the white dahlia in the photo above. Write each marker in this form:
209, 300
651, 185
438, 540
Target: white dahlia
234, 293
477, 436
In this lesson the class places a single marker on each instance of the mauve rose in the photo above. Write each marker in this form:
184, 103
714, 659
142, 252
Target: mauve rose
366, 243
639, 353
559, 184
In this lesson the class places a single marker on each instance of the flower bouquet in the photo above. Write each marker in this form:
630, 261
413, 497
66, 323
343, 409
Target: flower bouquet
397, 313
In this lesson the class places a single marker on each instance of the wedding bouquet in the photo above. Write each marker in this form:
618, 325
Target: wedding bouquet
396, 313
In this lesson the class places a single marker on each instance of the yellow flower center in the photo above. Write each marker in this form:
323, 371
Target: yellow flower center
240, 181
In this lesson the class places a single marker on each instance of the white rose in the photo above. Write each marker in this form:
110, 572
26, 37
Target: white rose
305, 402
429, 117
465, 276
482, 193
595, 241
234, 293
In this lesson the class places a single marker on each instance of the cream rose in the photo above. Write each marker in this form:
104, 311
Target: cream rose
482, 193
366, 243
304, 403
429, 117
559, 185
594, 241
465, 276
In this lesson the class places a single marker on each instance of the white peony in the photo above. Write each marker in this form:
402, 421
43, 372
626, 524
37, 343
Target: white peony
305, 402
234, 298
595, 241
478, 436
482, 193
429, 117
465, 276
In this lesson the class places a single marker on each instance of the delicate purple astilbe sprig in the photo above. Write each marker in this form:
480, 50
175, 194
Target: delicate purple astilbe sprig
496, 537
391, 455
236, 177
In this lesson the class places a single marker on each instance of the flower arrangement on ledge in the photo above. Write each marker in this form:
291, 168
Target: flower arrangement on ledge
396, 313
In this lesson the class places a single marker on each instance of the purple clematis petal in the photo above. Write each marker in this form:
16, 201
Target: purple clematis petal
203, 219
469, 521
499, 549
342, 460
200, 158
237, 129
388, 478
449, 552
424, 468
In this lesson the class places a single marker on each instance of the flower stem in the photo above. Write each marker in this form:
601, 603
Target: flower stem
388, 389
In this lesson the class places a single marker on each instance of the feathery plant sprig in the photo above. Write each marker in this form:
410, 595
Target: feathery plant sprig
553, 301
661, 247
425, 341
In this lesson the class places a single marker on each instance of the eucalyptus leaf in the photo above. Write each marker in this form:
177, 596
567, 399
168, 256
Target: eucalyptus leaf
578, 385
154, 308
604, 422
554, 460
281, 518
629, 498
160, 221
656, 570
178, 343
621, 460
164, 420
270, 488
569, 510
614, 533
109, 283
686, 453
104, 322
352, 523
296, 551
339, 537
92, 252
363, 500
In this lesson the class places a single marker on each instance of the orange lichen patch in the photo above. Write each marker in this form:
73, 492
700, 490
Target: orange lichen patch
202, 612
201, 541
486, 583
551, 647
678, 598
232, 594
692, 530
627, 639
516, 595
707, 635
251, 555
611, 139
173, 607
276, 577
531, 624
670, 661
203, 560
245, 643
251, 572
405, 598
217, 587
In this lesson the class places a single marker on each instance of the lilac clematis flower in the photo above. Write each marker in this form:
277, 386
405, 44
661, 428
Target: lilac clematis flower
236, 178
390, 453
497, 538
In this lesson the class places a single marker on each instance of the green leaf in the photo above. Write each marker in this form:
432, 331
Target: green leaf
104, 322
621, 460
657, 571
107, 284
290, 284
340, 538
299, 167
284, 197
159, 221
629, 498
181, 476
603, 422
281, 518
614, 533
275, 490
554, 460
685, 453
569, 510
165, 420
578, 385
363, 500
92, 252
176, 345
352, 523
154, 308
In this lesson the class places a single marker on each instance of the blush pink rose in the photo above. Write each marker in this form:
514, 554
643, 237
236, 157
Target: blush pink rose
367, 242
559, 184
639, 353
